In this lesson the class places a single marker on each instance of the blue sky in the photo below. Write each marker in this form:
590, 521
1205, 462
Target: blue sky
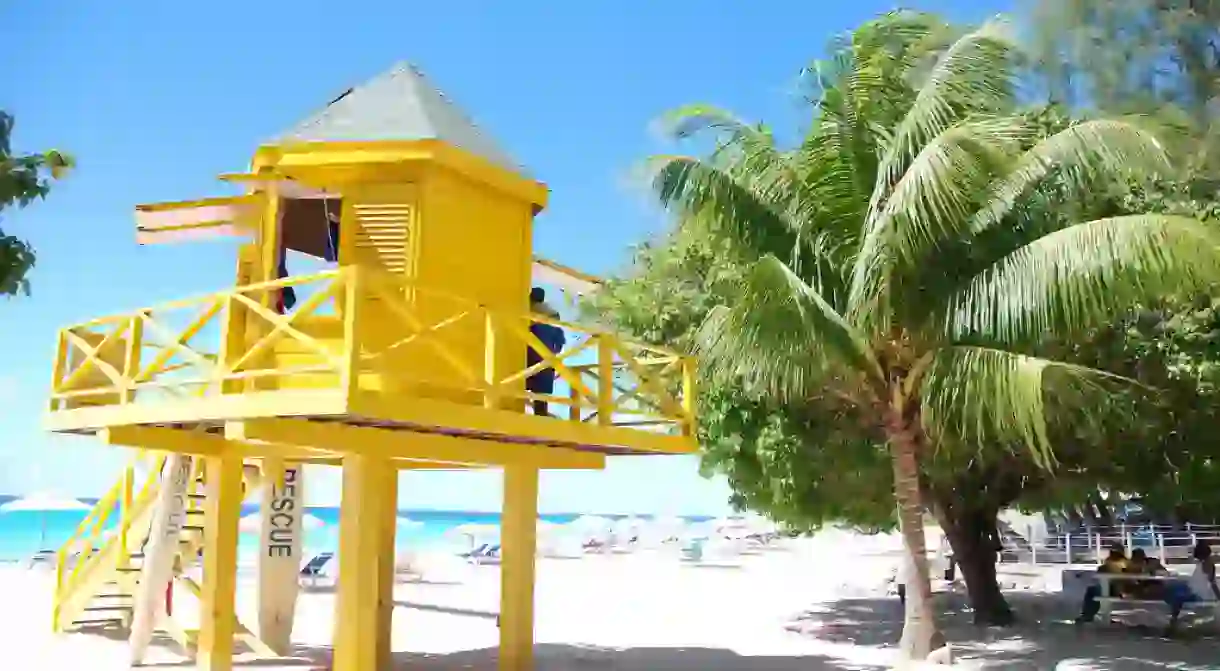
156, 98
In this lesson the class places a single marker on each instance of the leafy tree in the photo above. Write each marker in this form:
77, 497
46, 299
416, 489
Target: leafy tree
894, 260
23, 179
1123, 56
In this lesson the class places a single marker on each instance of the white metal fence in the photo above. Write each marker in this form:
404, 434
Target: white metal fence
1088, 546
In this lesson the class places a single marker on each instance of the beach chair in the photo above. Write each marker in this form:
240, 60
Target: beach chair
42, 557
484, 553
312, 570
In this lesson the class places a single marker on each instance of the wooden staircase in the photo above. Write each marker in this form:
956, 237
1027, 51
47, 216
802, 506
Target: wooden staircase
98, 571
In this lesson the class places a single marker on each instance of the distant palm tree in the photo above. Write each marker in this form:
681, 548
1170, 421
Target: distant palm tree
908, 253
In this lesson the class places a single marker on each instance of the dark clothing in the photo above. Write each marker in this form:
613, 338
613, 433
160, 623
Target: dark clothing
288, 296
1091, 606
543, 382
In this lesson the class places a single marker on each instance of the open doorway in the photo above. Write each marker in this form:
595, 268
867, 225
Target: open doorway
309, 240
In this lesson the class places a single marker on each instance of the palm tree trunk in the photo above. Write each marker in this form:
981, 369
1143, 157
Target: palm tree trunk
920, 635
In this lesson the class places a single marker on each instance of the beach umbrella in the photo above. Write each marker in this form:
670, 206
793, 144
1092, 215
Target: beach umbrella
475, 530
252, 523
42, 503
594, 523
408, 523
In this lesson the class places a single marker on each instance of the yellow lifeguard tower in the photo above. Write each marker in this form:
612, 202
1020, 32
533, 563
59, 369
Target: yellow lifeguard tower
409, 353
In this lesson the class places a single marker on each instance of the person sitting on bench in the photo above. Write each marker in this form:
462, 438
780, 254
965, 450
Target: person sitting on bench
1115, 562
1200, 586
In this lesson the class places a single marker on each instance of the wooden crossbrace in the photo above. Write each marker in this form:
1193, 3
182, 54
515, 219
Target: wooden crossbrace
177, 343
394, 303
93, 357
283, 326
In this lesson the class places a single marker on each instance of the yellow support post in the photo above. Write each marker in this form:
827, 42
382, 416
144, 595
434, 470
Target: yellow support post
519, 542
364, 604
387, 514
218, 616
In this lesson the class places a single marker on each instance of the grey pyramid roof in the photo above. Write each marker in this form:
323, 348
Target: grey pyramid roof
401, 104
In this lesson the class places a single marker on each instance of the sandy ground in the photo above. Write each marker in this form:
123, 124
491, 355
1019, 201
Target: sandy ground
819, 604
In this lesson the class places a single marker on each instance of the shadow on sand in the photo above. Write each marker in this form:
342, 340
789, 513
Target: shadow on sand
858, 635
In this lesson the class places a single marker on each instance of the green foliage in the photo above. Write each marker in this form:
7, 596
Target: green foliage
802, 465
23, 179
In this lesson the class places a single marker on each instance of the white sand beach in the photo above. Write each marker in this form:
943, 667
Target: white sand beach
818, 603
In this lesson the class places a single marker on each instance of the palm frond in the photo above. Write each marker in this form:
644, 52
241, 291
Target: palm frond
981, 396
782, 337
1080, 155
1082, 276
973, 76
729, 202
927, 207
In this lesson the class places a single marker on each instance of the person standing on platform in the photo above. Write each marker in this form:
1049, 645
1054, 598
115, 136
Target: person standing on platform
552, 337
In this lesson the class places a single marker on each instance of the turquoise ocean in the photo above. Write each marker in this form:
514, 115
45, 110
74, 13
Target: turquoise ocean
23, 533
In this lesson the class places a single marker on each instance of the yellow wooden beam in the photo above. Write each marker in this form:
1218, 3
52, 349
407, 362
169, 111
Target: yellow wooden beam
426, 412
364, 601
214, 408
202, 444
519, 542
404, 464
394, 444
218, 616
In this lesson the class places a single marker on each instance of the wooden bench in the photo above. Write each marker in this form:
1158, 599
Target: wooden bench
1107, 603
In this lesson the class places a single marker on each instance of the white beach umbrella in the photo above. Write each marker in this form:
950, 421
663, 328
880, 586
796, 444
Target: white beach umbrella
474, 530
252, 523
43, 502
627, 526
593, 523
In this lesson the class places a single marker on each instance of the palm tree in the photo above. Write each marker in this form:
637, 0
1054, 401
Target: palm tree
911, 250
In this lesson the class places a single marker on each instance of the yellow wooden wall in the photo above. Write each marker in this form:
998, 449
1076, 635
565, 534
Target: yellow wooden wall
465, 245
474, 242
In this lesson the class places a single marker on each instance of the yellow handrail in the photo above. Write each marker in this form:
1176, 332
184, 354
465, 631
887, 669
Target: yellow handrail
92, 529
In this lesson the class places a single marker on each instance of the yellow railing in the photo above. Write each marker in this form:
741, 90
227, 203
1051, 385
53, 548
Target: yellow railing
77, 554
194, 347
354, 322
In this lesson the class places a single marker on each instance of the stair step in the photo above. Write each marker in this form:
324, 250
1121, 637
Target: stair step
100, 609
116, 595
102, 620
192, 527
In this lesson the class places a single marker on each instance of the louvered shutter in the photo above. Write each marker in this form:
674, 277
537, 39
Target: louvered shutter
382, 219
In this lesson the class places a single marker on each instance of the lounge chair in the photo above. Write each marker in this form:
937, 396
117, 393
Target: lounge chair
43, 557
484, 554
312, 570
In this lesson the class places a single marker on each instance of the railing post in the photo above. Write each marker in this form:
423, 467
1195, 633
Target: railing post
689, 395
574, 400
353, 283
605, 379
1067, 549
131, 358
1160, 547
59, 368
491, 365
125, 508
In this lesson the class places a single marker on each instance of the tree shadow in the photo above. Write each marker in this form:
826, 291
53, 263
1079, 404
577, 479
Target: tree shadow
1044, 638
562, 657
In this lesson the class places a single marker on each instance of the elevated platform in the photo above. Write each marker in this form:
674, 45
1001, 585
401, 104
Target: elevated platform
363, 350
